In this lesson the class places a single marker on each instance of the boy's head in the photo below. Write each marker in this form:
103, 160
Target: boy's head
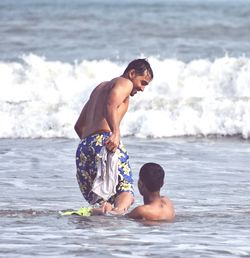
151, 176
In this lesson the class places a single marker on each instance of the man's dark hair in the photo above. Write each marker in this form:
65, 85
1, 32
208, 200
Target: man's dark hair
140, 66
152, 176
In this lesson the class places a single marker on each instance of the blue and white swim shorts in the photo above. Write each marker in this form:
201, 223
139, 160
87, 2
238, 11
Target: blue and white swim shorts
86, 164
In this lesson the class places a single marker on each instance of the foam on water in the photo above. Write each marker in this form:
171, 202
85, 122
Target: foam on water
41, 98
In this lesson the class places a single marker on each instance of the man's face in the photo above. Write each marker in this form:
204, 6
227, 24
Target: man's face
139, 82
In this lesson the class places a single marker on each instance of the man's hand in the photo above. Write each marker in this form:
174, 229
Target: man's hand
102, 210
113, 142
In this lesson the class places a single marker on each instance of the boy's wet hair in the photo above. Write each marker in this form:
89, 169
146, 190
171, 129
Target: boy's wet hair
152, 176
140, 66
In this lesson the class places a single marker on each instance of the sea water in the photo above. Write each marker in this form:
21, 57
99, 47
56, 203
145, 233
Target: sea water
208, 181
193, 119
64, 30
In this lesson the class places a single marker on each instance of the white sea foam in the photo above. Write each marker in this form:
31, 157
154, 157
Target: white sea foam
40, 98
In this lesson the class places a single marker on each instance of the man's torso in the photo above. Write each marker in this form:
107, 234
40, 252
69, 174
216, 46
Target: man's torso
95, 113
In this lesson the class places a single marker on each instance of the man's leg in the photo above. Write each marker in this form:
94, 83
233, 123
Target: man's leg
123, 201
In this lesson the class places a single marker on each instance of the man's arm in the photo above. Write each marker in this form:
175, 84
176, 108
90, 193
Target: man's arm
117, 96
80, 121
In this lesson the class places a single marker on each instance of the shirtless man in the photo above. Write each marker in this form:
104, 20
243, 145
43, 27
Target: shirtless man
156, 207
99, 125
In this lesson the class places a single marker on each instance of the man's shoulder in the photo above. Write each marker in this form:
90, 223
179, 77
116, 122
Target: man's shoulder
121, 86
121, 81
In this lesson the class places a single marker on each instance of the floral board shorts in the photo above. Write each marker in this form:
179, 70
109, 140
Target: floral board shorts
86, 164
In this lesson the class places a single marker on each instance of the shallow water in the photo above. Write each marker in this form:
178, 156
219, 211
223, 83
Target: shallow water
197, 90
207, 179
120, 30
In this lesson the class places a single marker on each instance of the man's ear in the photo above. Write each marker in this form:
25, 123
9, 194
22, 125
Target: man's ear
131, 74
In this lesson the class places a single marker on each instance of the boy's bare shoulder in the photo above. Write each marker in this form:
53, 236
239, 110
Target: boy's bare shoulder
167, 202
168, 207
139, 212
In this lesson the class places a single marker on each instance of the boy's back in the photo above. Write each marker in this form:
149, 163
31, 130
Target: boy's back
159, 209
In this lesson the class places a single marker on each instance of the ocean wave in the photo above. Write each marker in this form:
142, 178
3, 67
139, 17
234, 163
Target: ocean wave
41, 98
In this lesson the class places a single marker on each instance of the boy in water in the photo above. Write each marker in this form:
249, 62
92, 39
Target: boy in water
155, 207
